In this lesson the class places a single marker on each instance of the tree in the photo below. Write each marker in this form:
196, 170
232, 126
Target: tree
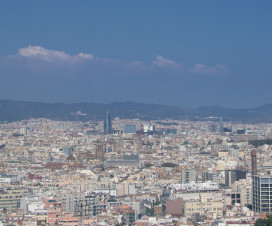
169, 164
149, 212
258, 143
147, 165
264, 222
157, 203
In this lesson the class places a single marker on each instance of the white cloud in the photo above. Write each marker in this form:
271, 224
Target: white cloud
86, 55
61, 58
203, 69
160, 61
47, 54
52, 55
136, 64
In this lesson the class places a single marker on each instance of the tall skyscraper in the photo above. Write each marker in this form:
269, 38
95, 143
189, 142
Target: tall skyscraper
107, 124
221, 125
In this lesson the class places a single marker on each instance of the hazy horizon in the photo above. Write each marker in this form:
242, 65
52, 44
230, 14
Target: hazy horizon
137, 102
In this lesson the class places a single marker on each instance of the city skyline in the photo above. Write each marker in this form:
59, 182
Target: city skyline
135, 113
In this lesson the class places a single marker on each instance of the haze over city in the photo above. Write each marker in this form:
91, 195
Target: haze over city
185, 53
135, 113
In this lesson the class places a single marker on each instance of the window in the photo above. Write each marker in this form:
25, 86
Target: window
265, 197
265, 180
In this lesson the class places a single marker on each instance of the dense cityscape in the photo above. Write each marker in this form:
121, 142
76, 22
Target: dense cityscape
135, 113
133, 172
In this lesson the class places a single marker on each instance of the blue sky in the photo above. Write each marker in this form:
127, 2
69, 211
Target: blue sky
187, 53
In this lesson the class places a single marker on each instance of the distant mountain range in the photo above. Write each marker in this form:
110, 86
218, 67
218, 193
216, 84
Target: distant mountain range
11, 110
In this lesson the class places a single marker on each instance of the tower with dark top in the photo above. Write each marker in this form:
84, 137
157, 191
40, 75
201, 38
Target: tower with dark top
254, 162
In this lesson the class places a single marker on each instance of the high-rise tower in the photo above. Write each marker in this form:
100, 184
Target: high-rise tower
221, 125
107, 124
261, 199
